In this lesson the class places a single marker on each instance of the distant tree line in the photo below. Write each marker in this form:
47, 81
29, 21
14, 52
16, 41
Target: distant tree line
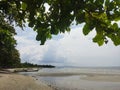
27, 65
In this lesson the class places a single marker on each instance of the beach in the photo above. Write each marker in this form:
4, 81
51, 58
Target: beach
102, 77
12, 81
62, 79
81, 78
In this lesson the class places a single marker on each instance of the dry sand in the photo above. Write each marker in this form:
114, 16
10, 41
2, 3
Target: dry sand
20, 82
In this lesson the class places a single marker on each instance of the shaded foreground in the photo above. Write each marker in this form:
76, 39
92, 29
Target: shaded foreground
20, 82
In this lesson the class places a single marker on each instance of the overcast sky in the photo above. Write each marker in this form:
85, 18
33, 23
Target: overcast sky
69, 49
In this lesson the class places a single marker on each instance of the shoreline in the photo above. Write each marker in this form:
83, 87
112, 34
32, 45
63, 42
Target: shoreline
13, 81
86, 76
86, 81
83, 81
70, 80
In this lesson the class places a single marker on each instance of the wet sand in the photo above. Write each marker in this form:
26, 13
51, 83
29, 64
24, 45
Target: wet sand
103, 77
88, 76
21, 82
83, 79
62, 80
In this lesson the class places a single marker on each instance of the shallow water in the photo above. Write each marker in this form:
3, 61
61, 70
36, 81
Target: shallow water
76, 83
81, 70
72, 78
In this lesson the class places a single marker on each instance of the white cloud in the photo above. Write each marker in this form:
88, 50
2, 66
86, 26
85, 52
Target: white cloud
78, 49
28, 47
67, 49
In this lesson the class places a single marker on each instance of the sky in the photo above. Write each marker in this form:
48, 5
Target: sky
68, 49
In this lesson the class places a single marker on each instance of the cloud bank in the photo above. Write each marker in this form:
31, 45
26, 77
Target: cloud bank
69, 49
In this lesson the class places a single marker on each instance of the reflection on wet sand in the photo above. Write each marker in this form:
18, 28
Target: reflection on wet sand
81, 79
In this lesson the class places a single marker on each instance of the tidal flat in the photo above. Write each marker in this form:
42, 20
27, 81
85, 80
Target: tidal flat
81, 78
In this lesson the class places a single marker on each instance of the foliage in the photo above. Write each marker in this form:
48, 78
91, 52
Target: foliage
29, 65
9, 56
98, 15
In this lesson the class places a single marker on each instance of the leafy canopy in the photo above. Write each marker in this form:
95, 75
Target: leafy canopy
9, 55
99, 15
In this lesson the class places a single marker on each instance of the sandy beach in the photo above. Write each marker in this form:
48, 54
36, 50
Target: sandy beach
21, 82
61, 79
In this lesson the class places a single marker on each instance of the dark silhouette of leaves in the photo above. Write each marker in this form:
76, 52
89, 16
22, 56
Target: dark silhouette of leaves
96, 14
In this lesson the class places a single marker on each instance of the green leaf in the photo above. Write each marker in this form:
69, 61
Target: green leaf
24, 6
37, 37
68, 29
101, 42
54, 30
115, 39
118, 34
86, 29
80, 17
107, 2
99, 39
43, 39
115, 26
